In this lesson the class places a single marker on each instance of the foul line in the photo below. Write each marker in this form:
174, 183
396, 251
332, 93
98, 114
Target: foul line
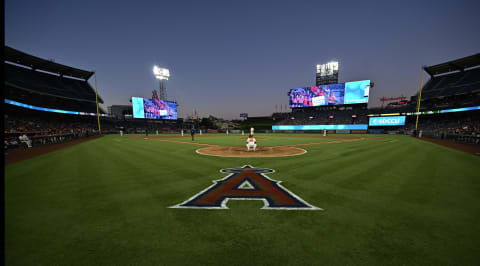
326, 142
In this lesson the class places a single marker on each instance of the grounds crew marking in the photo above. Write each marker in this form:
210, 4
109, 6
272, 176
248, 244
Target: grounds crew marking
246, 183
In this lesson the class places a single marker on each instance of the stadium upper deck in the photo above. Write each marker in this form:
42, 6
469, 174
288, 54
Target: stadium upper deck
39, 82
453, 78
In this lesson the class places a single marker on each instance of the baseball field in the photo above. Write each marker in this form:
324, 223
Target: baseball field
381, 200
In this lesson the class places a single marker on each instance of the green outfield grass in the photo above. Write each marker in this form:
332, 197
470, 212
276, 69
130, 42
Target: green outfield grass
390, 201
263, 139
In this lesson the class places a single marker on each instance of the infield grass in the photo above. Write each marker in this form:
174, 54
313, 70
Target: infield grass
390, 201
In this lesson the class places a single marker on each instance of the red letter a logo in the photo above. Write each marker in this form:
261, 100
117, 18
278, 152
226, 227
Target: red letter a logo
246, 183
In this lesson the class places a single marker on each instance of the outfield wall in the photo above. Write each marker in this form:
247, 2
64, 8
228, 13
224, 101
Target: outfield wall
331, 129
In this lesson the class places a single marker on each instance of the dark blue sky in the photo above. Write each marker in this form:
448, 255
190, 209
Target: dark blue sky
228, 57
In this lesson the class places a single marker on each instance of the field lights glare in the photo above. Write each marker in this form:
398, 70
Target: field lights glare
329, 67
161, 73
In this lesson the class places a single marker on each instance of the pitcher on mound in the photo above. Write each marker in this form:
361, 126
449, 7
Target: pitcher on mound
251, 143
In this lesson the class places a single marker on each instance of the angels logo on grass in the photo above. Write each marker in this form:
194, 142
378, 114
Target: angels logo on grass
246, 183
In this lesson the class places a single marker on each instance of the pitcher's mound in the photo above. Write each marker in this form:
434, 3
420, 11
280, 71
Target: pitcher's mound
238, 151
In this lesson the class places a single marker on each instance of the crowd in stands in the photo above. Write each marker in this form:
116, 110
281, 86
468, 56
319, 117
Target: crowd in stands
46, 128
448, 124
38, 126
460, 127
52, 126
28, 132
457, 101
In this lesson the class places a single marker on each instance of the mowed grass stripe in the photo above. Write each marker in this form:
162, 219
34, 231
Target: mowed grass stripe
337, 182
107, 204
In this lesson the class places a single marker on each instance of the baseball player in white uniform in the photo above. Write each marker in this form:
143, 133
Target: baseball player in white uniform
251, 143
25, 140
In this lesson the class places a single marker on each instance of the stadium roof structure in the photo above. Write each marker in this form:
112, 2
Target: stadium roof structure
47, 84
454, 65
21, 58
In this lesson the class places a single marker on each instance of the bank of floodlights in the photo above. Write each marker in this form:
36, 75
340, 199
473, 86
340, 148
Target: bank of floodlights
328, 68
161, 73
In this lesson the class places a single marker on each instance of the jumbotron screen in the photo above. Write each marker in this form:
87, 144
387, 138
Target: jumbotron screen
333, 94
153, 109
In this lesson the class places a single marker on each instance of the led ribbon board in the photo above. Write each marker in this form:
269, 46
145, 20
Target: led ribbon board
460, 109
28, 106
320, 127
387, 121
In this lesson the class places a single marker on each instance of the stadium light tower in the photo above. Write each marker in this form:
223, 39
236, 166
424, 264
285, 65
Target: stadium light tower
162, 74
327, 73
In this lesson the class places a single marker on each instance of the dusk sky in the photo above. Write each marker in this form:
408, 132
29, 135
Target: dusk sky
229, 57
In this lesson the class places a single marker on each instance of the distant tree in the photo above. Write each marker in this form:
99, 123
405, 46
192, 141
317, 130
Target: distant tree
207, 123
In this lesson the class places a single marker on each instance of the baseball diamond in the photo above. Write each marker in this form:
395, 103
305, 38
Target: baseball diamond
241, 133
374, 194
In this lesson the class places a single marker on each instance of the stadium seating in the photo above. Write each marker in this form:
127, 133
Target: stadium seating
48, 84
308, 116
458, 83
39, 88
